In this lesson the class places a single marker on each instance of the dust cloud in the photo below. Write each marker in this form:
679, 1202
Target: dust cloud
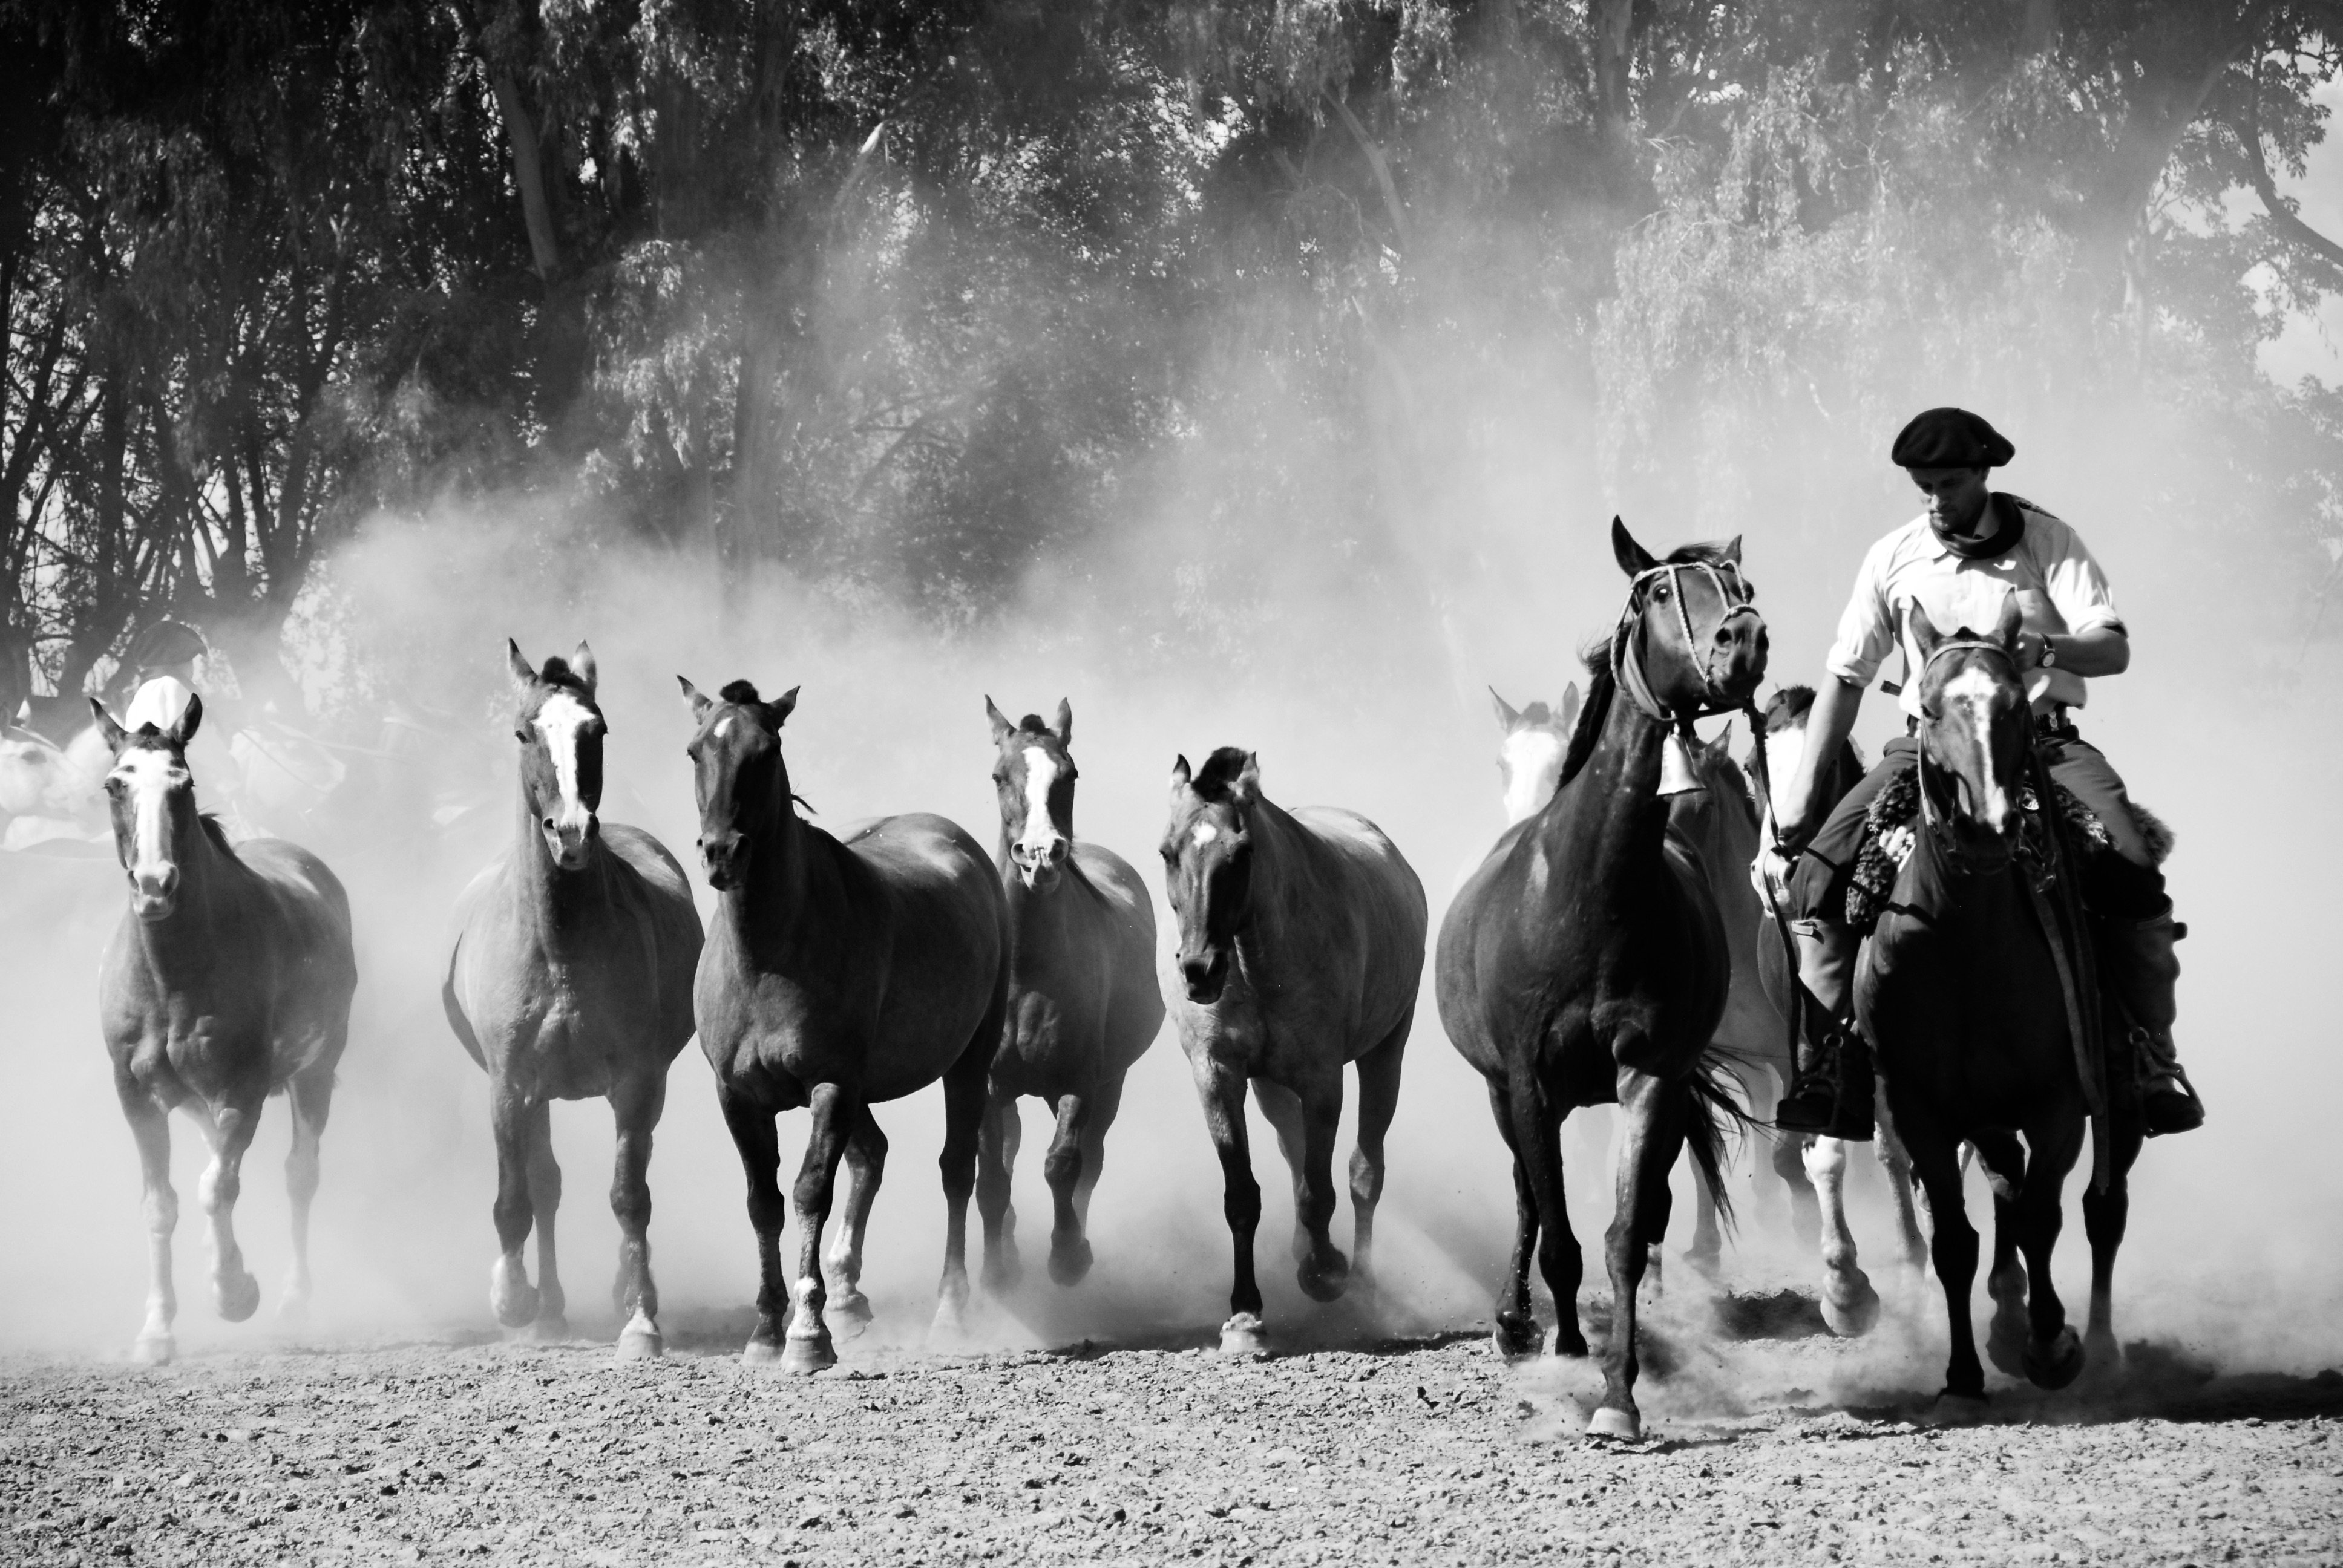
1356, 666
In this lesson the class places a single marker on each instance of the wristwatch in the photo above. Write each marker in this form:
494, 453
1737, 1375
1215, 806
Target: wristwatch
2049, 654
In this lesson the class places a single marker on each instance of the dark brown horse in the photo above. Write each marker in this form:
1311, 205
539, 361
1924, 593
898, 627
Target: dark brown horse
1301, 949
842, 972
1084, 1002
1977, 992
1585, 960
228, 981
571, 979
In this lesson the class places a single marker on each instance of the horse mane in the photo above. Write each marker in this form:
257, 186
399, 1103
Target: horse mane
1031, 724
743, 692
216, 834
1700, 554
1216, 779
1602, 685
1537, 713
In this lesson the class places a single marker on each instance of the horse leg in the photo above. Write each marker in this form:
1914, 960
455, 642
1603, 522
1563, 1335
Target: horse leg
1069, 1249
2054, 1355
1325, 1273
2005, 1280
1806, 1212
966, 1087
2104, 1217
1954, 1249
808, 1346
997, 1136
866, 1164
1220, 1091
1897, 1162
1282, 1110
1536, 1138
636, 1107
1515, 1330
1652, 1111
545, 1203
150, 1128
1378, 1102
230, 1129
311, 1095
1707, 1241
510, 1295
753, 1138
1105, 1102
1850, 1306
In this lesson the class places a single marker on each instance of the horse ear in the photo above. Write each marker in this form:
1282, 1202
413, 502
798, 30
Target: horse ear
1506, 716
1569, 708
1634, 558
1065, 722
1732, 550
523, 673
189, 722
781, 706
1001, 724
582, 665
700, 705
2012, 622
1180, 774
1922, 631
1722, 747
115, 735
1247, 787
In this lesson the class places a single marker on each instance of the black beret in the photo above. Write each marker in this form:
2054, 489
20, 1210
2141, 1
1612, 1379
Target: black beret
1950, 438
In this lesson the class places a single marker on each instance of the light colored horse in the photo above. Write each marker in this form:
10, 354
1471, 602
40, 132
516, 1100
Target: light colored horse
228, 981
1084, 1004
1301, 949
570, 979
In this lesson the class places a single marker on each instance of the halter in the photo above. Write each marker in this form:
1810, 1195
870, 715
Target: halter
1929, 821
1737, 596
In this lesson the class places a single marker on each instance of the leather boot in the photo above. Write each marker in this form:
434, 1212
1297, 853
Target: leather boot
1831, 1093
2142, 971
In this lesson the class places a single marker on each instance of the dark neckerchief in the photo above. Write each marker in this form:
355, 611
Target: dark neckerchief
2007, 516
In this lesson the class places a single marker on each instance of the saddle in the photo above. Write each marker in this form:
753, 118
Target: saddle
1892, 818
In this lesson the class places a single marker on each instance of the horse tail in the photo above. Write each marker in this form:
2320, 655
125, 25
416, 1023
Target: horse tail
1715, 1113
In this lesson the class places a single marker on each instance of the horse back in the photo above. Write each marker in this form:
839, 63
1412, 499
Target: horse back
1368, 920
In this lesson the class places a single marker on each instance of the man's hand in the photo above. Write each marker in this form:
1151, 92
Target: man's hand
2030, 645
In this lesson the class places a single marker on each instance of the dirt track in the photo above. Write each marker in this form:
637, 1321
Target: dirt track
1421, 1450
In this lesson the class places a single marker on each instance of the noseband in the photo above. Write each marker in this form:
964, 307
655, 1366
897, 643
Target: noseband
1929, 819
1731, 587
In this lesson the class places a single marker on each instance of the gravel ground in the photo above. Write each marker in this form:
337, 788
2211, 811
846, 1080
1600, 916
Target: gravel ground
1417, 1450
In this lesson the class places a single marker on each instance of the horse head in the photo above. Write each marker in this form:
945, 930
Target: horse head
1208, 863
1689, 635
1973, 736
560, 732
1034, 776
1532, 742
151, 797
738, 774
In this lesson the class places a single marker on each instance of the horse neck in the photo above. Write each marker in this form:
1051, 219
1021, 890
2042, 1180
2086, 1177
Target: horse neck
560, 900
790, 868
1280, 888
188, 940
1608, 822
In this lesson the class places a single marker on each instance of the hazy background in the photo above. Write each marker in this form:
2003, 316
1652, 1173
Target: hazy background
1268, 383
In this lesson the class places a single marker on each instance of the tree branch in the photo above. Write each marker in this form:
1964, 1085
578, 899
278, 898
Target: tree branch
2282, 215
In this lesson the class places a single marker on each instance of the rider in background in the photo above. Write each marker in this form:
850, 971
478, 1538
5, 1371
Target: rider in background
1957, 562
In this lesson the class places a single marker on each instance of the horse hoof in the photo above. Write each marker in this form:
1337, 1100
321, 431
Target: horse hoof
1069, 1263
760, 1352
1324, 1281
641, 1341
1612, 1425
803, 1357
2058, 1363
1852, 1310
239, 1297
155, 1350
1569, 1342
848, 1312
2005, 1344
1244, 1335
510, 1295
1515, 1336
1953, 1408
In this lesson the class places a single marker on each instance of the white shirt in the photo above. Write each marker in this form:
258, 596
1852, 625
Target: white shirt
2059, 588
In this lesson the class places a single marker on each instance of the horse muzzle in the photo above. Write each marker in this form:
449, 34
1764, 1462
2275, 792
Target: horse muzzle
1205, 975
1736, 664
155, 892
566, 840
725, 857
1039, 864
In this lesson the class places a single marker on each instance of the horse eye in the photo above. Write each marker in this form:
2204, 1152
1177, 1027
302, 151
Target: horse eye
1660, 592
522, 736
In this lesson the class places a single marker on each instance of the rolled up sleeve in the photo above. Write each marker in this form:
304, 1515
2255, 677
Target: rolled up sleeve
2077, 587
1866, 629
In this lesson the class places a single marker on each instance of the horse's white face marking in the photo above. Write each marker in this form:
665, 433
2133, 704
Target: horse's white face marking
559, 719
148, 778
1969, 695
724, 725
1532, 771
1039, 835
1205, 833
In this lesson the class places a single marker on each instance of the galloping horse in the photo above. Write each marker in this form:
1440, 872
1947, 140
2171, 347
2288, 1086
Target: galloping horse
571, 978
1976, 987
1585, 960
1083, 1003
1301, 949
840, 973
228, 981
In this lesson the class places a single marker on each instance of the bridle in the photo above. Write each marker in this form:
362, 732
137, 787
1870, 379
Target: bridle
1628, 668
1931, 820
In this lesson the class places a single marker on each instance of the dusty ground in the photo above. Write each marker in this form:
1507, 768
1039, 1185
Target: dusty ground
1407, 1451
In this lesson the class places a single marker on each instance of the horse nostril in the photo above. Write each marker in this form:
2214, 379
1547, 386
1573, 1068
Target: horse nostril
548, 824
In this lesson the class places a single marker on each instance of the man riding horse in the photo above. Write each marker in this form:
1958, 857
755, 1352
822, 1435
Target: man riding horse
1957, 563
